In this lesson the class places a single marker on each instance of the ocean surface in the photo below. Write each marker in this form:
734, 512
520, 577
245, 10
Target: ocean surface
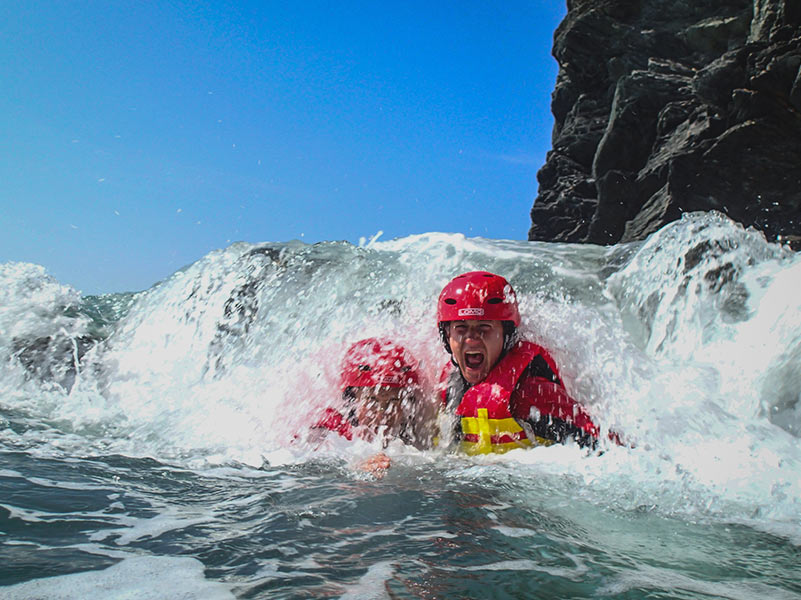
152, 444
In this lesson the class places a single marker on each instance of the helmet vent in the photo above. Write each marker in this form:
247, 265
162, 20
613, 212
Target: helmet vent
450, 300
495, 301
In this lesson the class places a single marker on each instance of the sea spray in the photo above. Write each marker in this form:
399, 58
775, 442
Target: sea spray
170, 425
685, 346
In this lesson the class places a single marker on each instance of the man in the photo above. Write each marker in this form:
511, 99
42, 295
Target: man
503, 393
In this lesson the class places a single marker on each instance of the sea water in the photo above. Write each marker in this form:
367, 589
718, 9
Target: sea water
151, 444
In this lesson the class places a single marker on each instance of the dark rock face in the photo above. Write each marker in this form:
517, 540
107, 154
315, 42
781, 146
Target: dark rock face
668, 106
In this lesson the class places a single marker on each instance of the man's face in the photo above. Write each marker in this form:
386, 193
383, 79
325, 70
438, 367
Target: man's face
476, 347
377, 407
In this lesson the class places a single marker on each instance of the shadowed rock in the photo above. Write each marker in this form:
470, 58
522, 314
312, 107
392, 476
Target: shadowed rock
663, 107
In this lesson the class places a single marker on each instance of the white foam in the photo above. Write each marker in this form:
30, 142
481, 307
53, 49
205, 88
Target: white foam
515, 532
171, 519
29, 516
644, 577
522, 564
137, 578
371, 585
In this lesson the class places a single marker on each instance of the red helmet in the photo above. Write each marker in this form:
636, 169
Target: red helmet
478, 296
373, 362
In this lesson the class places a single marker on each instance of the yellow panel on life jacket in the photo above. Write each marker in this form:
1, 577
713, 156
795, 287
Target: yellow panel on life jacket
483, 435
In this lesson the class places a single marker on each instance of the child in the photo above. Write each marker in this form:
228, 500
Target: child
379, 384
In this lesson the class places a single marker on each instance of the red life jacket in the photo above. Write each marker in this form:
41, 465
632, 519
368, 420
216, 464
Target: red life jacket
490, 410
334, 421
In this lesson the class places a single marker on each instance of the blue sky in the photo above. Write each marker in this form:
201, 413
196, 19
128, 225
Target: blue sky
138, 136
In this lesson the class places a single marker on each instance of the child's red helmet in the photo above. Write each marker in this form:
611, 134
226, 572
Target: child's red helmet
480, 296
378, 362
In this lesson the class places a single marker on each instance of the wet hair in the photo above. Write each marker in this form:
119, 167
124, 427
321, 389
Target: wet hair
510, 336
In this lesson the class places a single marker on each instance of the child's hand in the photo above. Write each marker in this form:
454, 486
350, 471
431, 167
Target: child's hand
376, 465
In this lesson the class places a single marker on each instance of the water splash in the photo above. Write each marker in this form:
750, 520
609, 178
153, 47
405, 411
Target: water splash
688, 345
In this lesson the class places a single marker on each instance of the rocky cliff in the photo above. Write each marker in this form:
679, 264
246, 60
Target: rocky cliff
668, 106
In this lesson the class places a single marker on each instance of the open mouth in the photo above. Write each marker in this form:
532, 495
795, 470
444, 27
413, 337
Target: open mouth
473, 360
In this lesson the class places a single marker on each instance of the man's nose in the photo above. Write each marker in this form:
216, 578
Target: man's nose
473, 333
